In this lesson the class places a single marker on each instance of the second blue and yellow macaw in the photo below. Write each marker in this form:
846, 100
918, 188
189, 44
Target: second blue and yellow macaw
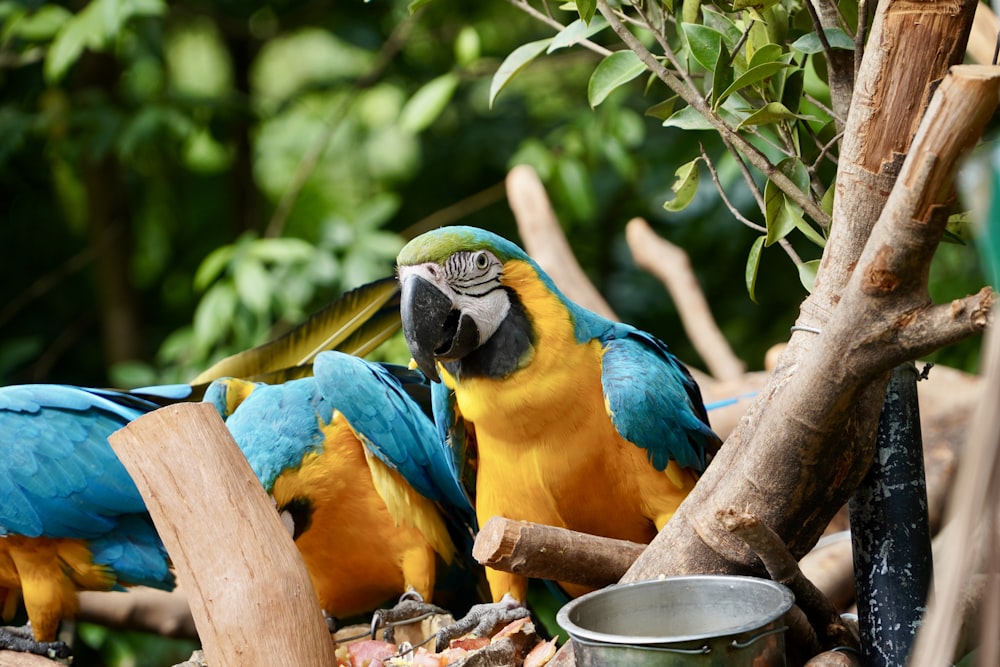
573, 420
373, 503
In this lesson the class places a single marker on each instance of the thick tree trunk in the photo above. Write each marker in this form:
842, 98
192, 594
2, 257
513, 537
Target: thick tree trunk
800, 452
109, 225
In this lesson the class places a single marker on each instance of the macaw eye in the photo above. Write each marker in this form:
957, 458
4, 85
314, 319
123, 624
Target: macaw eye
481, 261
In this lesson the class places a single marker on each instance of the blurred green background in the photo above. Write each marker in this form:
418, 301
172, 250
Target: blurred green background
181, 181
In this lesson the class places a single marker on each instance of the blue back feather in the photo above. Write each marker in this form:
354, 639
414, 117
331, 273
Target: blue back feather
59, 477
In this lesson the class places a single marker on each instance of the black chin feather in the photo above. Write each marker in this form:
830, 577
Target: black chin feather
505, 350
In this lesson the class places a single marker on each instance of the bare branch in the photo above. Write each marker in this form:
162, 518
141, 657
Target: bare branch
200, 490
671, 265
725, 199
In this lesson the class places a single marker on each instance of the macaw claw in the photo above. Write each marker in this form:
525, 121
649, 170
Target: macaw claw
22, 640
483, 620
411, 608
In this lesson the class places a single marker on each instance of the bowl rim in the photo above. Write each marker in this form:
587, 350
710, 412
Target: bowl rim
786, 600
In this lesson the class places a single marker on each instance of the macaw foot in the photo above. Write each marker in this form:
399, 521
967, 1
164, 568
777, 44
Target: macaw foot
411, 608
482, 620
21, 639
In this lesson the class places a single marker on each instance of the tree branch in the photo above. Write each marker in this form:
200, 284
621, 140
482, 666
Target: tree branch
544, 239
689, 94
671, 265
811, 399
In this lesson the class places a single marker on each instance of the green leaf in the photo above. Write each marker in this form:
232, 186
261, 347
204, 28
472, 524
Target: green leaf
753, 263
42, 25
795, 169
753, 5
827, 202
662, 110
253, 285
807, 273
960, 228
428, 102
765, 54
800, 223
685, 186
281, 250
687, 118
417, 4
76, 35
837, 38
467, 46
705, 44
778, 219
614, 71
573, 179
750, 77
214, 313
690, 10
772, 112
576, 32
722, 77
586, 8
791, 92
724, 25
518, 59
212, 267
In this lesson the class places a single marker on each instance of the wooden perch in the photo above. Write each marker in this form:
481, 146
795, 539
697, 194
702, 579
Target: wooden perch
545, 241
251, 597
671, 266
547, 552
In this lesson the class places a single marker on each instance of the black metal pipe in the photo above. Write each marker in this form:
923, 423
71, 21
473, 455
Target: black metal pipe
893, 567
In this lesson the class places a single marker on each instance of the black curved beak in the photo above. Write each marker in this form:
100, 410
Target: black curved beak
433, 328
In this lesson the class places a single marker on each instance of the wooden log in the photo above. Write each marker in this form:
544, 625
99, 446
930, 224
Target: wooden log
546, 552
250, 595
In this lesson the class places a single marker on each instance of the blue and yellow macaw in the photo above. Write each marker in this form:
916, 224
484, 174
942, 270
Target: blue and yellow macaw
573, 420
71, 519
373, 502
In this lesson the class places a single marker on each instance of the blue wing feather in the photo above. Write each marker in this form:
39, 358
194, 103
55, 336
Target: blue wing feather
653, 400
391, 424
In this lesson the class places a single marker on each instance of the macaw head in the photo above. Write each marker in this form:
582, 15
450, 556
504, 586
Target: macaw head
454, 301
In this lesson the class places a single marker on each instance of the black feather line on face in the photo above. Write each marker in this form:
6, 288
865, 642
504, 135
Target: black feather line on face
503, 353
